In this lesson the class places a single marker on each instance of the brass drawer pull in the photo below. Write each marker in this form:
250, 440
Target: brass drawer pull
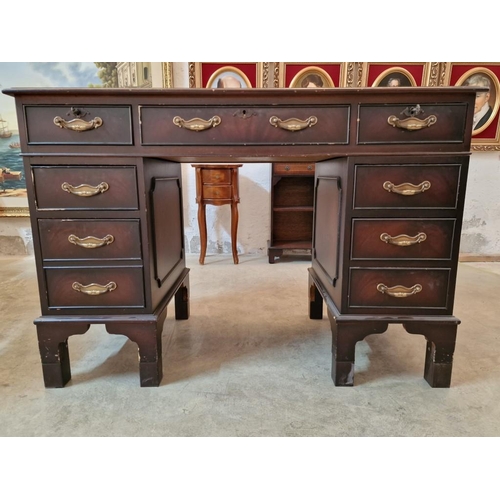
403, 240
406, 189
91, 241
94, 288
293, 124
399, 291
197, 124
412, 123
78, 125
85, 189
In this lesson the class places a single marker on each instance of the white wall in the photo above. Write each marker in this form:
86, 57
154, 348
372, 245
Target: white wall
481, 225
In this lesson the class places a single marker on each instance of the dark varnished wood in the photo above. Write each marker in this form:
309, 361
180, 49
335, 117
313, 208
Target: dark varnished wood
355, 150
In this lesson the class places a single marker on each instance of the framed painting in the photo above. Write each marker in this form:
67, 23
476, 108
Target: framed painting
226, 75
311, 74
395, 74
486, 128
13, 197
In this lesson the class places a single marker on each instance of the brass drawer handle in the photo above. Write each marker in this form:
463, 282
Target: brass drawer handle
412, 123
403, 240
293, 124
399, 291
85, 189
94, 288
407, 189
78, 125
197, 124
91, 241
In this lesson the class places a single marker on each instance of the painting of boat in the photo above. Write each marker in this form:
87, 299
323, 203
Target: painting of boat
5, 133
6, 174
15, 145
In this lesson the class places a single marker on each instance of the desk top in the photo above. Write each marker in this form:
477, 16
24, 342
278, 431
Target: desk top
244, 125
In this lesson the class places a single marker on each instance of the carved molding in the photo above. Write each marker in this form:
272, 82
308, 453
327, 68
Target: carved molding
478, 147
192, 75
349, 78
265, 74
167, 71
276, 76
434, 73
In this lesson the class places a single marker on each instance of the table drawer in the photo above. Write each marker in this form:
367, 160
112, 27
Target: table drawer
399, 288
75, 124
83, 239
216, 192
85, 188
111, 287
406, 186
293, 168
230, 125
435, 123
402, 239
216, 176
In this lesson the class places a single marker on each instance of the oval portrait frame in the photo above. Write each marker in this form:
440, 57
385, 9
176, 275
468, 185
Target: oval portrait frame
496, 84
395, 69
230, 70
312, 70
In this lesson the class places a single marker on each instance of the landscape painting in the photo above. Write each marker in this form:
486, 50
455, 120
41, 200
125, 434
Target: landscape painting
13, 199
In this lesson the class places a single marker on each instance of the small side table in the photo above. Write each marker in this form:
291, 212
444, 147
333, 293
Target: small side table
217, 185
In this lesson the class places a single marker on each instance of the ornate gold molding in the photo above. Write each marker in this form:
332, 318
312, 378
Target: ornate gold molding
167, 73
434, 73
265, 74
349, 77
192, 75
14, 212
276, 76
478, 147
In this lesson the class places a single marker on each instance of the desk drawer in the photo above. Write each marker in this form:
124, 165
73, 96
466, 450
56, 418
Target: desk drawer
83, 239
402, 239
85, 188
293, 168
75, 124
230, 125
384, 186
416, 288
216, 192
441, 123
115, 287
217, 176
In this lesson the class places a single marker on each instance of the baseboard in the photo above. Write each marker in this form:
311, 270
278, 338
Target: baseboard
471, 257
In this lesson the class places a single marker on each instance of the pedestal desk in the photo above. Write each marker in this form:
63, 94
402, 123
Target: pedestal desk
105, 195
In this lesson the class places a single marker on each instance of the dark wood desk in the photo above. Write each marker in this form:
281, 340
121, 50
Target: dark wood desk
105, 196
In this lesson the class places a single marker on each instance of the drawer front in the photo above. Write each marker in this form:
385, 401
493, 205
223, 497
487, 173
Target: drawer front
384, 186
441, 123
230, 125
376, 287
293, 168
402, 239
81, 239
79, 125
65, 187
216, 176
216, 192
118, 287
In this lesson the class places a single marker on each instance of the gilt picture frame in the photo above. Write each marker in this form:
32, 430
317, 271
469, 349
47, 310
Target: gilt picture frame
227, 74
321, 74
486, 129
409, 74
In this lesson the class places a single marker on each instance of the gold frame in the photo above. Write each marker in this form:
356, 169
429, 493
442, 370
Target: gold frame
262, 73
478, 144
167, 75
228, 69
427, 75
280, 72
14, 212
395, 69
310, 70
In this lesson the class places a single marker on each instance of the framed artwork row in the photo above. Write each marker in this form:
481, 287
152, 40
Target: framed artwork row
486, 129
